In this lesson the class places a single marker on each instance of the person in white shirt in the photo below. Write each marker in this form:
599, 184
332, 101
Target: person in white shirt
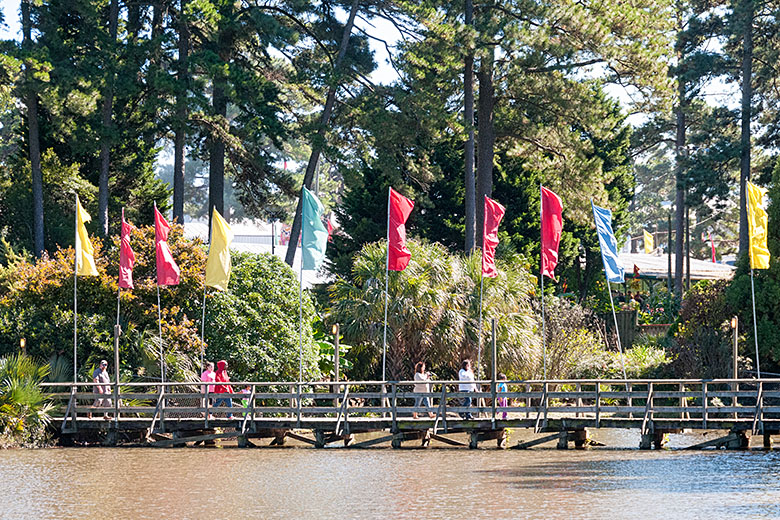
421, 375
466, 376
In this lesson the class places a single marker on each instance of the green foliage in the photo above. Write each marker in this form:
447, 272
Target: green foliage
24, 407
255, 325
659, 306
702, 347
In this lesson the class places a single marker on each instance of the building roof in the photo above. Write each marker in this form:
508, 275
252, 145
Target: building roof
657, 267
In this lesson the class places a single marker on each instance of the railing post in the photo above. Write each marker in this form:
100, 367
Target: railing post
208, 410
598, 403
162, 408
528, 401
704, 404
735, 399
117, 333
252, 404
300, 390
394, 409
577, 389
630, 388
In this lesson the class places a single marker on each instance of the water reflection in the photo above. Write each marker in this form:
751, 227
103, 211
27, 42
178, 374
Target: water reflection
385, 483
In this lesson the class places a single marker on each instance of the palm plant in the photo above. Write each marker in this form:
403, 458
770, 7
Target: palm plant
24, 407
433, 310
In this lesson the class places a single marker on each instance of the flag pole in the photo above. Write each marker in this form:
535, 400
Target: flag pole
753, 298
119, 285
541, 277
75, 293
617, 331
300, 307
203, 329
755, 326
159, 318
203, 315
479, 342
387, 276
159, 328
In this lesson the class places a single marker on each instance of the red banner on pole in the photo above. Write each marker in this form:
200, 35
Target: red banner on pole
167, 270
494, 212
126, 256
552, 224
398, 212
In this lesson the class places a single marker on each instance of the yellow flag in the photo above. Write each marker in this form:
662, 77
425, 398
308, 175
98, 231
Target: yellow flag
85, 253
758, 225
218, 264
649, 243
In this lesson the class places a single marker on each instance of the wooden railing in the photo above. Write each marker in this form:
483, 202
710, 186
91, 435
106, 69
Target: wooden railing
635, 403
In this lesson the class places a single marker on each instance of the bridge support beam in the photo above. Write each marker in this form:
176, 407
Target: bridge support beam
476, 436
578, 437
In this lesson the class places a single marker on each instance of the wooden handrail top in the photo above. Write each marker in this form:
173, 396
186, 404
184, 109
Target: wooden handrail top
390, 384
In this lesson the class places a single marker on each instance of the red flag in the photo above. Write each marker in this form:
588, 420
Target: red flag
126, 256
494, 212
552, 224
167, 270
398, 211
330, 229
712, 243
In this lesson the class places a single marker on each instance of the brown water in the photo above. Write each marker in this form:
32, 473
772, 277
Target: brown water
293, 483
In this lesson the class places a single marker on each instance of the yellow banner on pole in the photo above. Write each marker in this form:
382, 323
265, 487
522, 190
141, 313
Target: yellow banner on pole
649, 243
758, 221
85, 253
218, 264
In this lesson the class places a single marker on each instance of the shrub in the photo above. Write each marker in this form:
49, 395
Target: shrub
254, 324
702, 346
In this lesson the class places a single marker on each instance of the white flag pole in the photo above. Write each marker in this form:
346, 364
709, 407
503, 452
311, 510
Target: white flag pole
753, 295
119, 285
203, 331
755, 326
75, 294
203, 315
387, 276
541, 278
159, 312
611, 301
300, 301
481, 282
614, 317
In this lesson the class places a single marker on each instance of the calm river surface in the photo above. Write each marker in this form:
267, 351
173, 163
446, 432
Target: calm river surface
300, 483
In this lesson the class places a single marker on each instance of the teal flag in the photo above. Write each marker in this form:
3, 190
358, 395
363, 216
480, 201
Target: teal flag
314, 236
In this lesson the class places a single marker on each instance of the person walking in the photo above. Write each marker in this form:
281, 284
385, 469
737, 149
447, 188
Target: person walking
466, 376
422, 388
222, 377
208, 376
101, 379
502, 389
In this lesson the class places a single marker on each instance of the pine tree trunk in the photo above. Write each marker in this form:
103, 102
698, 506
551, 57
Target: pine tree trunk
486, 138
317, 142
679, 204
468, 114
34, 143
105, 142
180, 123
747, 98
217, 154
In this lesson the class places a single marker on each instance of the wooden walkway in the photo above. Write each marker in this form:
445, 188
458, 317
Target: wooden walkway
320, 413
